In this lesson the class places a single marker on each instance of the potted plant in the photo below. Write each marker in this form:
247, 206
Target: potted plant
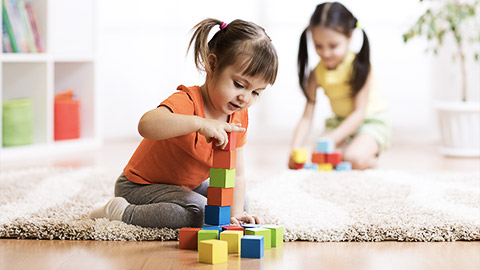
459, 121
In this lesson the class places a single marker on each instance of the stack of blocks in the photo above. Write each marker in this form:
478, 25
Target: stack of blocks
324, 158
216, 239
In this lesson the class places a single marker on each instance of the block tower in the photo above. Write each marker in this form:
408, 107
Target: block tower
324, 158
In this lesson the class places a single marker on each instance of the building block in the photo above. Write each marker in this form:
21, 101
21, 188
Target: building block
206, 235
299, 155
325, 146
218, 228
234, 228
248, 226
252, 246
219, 196
224, 159
223, 178
334, 158
319, 158
310, 166
266, 233
326, 167
217, 215
188, 238
212, 251
344, 166
277, 234
232, 142
233, 238
297, 166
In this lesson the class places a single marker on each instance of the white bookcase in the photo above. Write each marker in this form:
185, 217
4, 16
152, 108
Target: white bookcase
67, 29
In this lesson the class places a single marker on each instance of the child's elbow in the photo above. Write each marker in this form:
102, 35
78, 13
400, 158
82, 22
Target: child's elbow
143, 127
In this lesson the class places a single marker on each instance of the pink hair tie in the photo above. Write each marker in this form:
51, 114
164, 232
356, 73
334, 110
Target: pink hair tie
223, 26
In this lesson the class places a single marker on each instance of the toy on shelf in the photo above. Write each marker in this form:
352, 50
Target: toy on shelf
324, 158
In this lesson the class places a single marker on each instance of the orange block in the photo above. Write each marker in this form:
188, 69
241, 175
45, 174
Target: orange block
219, 196
224, 159
298, 166
319, 158
188, 238
334, 158
232, 142
234, 228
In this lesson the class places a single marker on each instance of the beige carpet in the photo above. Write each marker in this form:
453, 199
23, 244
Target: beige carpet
53, 203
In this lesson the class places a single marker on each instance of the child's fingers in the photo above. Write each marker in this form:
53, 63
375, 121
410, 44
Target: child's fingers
258, 220
235, 127
234, 221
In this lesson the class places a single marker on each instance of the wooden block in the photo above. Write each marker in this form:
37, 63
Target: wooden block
217, 228
217, 215
224, 178
219, 196
310, 166
297, 166
325, 167
325, 146
267, 235
224, 159
318, 158
188, 238
234, 228
206, 235
248, 226
344, 166
212, 251
299, 155
233, 238
252, 246
277, 234
334, 158
232, 142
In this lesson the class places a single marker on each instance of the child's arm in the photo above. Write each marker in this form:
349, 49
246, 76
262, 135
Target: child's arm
161, 124
355, 118
237, 211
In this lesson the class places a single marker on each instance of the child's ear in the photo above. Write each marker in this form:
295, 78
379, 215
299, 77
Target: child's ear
212, 61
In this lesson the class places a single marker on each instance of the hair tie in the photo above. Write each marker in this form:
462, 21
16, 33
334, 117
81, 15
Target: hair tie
223, 25
359, 26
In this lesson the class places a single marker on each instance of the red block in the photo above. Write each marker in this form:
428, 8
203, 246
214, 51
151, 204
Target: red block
298, 166
219, 196
319, 158
334, 158
188, 238
234, 228
224, 159
66, 119
232, 142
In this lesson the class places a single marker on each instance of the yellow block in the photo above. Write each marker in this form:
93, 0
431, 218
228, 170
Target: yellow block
299, 155
212, 251
233, 238
325, 167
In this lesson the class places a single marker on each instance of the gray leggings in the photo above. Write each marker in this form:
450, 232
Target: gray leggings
161, 205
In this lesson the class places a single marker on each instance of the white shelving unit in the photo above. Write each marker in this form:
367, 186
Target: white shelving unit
67, 29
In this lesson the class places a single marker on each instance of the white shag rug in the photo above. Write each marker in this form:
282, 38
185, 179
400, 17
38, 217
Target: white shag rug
375, 205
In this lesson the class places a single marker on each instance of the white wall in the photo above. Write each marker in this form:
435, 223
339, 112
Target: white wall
142, 59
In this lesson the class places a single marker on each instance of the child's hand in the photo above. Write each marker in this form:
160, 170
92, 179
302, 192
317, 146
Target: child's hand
245, 218
214, 129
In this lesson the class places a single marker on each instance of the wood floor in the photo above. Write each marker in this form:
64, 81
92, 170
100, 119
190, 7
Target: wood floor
56, 254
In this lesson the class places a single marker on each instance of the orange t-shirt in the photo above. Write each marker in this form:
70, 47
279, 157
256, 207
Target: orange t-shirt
184, 160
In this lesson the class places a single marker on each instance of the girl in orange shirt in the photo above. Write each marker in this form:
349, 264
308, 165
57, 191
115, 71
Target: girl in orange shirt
165, 182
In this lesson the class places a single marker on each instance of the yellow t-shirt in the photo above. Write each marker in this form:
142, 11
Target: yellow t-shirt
336, 84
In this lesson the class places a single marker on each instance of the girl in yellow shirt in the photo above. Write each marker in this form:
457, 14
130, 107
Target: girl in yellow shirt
360, 127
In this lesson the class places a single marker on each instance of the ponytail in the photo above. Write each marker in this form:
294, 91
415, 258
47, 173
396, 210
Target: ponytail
303, 62
361, 65
200, 42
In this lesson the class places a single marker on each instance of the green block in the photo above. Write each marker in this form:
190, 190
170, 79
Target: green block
222, 178
17, 122
277, 234
206, 235
266, 233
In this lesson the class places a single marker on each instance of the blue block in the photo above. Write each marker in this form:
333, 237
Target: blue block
325, 146
344, 166
252, 246
248, 226
217, 215
311, 166
218, 228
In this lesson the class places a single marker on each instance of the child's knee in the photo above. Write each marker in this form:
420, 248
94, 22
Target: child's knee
359, 162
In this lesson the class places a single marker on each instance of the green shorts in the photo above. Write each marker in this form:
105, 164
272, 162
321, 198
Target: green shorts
378, 125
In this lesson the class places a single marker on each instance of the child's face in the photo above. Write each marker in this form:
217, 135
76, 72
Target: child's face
330, 45
230, 91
